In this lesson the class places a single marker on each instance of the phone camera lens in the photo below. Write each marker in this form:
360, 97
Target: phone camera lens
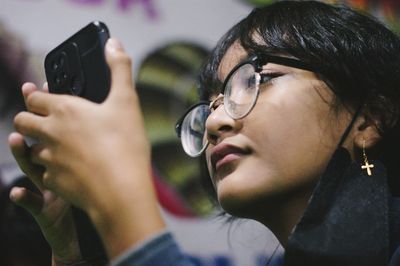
58, 63
77, 87
60, 78
61, 61
55, 66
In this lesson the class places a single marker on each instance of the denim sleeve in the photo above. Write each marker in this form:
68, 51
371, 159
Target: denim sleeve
160, 250
395, 260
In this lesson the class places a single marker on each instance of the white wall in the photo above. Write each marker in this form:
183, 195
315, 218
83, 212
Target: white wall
45, 23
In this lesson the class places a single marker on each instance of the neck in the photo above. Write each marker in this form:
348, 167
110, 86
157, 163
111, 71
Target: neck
286, 213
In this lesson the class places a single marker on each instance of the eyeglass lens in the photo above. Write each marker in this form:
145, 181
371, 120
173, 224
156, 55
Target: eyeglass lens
193, 131
241, 91
240, 94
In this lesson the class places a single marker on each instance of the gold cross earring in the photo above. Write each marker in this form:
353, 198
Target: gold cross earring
367, 166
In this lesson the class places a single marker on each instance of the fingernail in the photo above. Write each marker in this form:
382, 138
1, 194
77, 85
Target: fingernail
25, 90
12, 194
114, 44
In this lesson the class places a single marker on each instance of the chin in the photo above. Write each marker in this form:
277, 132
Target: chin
242, 200
236, 201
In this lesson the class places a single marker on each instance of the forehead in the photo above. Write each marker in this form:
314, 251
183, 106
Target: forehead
233, 56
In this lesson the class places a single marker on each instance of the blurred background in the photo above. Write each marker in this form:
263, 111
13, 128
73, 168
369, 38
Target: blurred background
168, 41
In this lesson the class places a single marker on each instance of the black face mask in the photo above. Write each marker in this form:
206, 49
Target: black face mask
347, 220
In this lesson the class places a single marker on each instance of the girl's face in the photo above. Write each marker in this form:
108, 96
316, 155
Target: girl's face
273, 157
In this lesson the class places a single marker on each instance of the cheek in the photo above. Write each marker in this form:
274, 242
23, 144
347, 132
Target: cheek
292, 140
287, 135
287, 156
296, 136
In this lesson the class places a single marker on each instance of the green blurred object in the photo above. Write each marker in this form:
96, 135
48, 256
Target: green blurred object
259, 2
167, 86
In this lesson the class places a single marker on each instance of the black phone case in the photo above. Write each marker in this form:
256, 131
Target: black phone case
78, 65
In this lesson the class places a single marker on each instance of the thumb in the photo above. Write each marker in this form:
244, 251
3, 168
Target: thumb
26, 199
120, 67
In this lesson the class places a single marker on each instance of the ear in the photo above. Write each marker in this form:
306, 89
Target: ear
366, 132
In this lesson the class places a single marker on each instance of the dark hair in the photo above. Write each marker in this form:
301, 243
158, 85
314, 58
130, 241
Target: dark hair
356, 56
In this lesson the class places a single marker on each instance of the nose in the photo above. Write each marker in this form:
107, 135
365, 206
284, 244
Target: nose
219, 125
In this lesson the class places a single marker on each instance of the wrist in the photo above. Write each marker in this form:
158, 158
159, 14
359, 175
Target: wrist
124, 219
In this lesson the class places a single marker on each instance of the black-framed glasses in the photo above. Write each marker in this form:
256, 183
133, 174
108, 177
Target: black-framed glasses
239, 95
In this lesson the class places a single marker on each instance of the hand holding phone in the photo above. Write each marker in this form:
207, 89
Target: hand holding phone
85, 167
78, 67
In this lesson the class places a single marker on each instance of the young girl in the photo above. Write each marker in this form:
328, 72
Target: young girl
298, 124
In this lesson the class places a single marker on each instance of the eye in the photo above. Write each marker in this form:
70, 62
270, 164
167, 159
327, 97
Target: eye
251, 82
268, 77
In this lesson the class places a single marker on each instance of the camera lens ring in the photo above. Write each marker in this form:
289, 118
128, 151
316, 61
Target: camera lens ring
55, 66
76, 87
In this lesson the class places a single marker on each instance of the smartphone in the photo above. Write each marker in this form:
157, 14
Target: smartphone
78, 65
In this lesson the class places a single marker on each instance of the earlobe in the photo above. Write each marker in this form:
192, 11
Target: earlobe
367, 133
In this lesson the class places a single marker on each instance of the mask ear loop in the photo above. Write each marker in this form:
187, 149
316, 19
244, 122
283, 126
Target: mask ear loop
350, 126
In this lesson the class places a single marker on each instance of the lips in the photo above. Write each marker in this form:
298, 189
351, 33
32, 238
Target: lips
224, 154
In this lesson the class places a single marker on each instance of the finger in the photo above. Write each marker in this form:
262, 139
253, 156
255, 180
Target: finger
29, 124
28, 88
40, 154
120, 66
45, 87
39, 102
22, 155
26, 199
